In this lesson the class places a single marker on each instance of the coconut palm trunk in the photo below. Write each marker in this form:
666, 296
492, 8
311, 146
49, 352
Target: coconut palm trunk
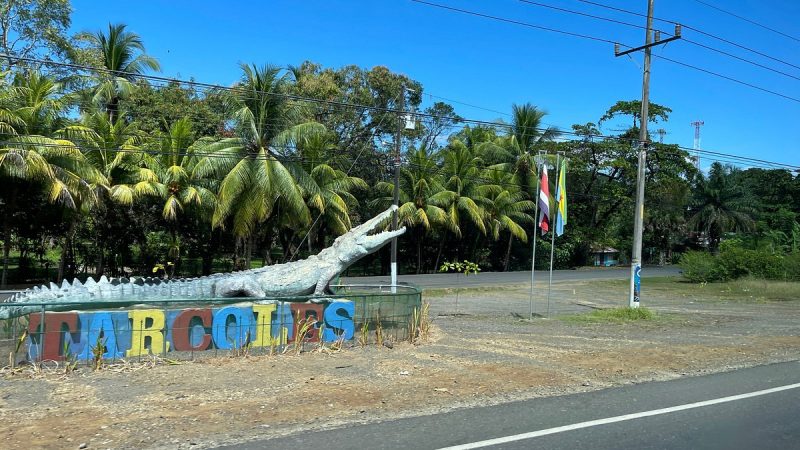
12, 203
508, 252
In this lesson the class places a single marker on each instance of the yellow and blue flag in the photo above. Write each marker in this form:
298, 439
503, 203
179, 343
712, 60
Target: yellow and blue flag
561, 199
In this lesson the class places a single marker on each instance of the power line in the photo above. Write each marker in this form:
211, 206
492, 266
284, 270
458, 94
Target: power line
604, 40
748, 20
516, 22
579, 13
510, 127
743, 83
695, 29
707, 47
740, 58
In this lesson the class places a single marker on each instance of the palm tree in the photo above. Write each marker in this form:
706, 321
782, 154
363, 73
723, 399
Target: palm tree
461, 179
506, 209
27, 159
326, 189
721, 205
254, 178
423, 198
41, 105
112, 149
174, 168
122, 54
176, 183
516, 152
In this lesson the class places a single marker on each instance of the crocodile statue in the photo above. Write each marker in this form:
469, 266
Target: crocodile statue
309, 276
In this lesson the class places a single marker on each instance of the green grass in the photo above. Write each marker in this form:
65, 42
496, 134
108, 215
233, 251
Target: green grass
743, 289
442, 292
615, 315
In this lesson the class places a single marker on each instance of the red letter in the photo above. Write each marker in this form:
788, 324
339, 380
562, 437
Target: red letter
303, 313
182, 326
55, 325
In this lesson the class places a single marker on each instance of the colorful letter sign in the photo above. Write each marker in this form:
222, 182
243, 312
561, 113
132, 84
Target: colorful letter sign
136, 332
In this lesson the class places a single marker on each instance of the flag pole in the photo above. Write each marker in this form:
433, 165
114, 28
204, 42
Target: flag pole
535, 232
553, 238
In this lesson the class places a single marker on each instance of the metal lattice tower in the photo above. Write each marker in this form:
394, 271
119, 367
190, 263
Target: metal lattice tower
697, 124
661, 132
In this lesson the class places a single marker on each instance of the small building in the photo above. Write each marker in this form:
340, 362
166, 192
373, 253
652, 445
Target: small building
604, 256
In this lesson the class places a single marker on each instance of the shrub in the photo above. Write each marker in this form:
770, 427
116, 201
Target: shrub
702, 267
739, 262
792, 265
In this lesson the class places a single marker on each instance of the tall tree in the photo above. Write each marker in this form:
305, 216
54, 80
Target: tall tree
255, 179
516, 152
31, 158
122, 54
721, 206
423, 198
33, 29
506, 209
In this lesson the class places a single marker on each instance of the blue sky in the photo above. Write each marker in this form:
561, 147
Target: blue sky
493, 64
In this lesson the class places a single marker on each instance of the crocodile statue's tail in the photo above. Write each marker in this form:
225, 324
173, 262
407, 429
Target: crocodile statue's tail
110, 290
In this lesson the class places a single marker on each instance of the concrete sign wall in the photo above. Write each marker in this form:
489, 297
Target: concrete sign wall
126, 334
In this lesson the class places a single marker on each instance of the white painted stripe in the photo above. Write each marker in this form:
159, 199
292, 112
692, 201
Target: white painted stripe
622, 418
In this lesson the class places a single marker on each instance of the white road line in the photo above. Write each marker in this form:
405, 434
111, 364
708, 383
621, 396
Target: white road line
622, 418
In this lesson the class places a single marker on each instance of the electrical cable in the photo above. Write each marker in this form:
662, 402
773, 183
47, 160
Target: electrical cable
662, 57
516, 22
748, 20
695, 29
381, 109
707, 47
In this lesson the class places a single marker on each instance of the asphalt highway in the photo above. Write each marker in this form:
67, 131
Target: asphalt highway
755, 408
450, 280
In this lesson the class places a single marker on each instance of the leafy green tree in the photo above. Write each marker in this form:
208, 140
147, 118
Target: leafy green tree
254, 179
122, 54
506, 209
423, 198
31, 158
516, 152
721, 206
113, 149
57, 166
156, 108
41, 106
360, 132
33, 29
633, 108
328, 191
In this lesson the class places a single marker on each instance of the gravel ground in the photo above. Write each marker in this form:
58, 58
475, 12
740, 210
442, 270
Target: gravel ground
486, 352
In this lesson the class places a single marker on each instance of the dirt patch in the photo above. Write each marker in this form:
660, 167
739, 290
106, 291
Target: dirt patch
487, 354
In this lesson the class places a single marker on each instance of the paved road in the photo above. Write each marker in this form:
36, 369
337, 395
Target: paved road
450, 280
447, 280
706, 412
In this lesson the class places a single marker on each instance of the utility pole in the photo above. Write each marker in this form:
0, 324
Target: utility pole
397, 146
661, 133
638, 223
697, 124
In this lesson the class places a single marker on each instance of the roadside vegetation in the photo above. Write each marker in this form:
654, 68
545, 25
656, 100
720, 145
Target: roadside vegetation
748, 289
105, 171
615, 315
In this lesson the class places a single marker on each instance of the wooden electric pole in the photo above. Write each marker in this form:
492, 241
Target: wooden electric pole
638, 224
397, 147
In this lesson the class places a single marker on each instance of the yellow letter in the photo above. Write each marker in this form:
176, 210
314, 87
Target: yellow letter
263, 324
146, 339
